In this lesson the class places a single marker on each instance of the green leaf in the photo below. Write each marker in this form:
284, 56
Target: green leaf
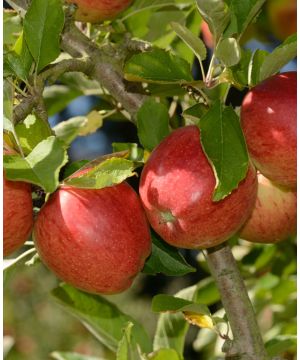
228, 52
192, 41
43, 23
163, 303
31, 132
159, 66
284, 53
224, 145
242, 14
238, 74
164, 354
41, 167
109, 172
192, 21
21, 49
68, 130
58, 97
207, 292
152, 123
217, 15
257, 59
172, 328
8, 125
58, 355
267, 282
8, 98
12, 26
165, 90
102, 318
127, 350
266, 256
195, 112
280, 344
13, 65
166, 259
159, 32
123, 351
283, 291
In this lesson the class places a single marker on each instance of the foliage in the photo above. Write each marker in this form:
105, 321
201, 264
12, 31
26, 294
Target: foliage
41, 78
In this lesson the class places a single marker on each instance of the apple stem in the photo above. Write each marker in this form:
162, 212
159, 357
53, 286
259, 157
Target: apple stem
247, 340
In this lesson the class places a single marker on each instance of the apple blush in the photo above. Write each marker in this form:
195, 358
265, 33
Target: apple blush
17, 214
269, 123
176, 188
95, 240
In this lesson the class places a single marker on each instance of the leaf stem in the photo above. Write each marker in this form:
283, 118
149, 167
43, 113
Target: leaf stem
210, 70
22, 256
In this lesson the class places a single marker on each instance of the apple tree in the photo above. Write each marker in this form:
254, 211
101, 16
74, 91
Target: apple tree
208, 175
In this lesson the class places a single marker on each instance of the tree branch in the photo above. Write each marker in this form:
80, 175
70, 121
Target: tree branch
247, 341
51, 73
107, 67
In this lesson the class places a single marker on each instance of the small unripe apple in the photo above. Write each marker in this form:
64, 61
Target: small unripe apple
274, 216
95, 240
98, 10
269, 122
176, 188
18, 214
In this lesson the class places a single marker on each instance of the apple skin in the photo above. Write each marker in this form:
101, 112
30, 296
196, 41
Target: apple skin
176, 188
18, 214
95, 240
98, 10
274, 217
282, 16
269, 122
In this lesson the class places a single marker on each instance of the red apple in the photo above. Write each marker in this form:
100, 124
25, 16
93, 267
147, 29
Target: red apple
95, 240
269, 122
98, 10
274, 216
176, 189
18, 214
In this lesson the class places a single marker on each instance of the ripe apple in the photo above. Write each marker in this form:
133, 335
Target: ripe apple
95, 240
18, 214
269, 122
176, 188
282, 15
274, 216
98, 10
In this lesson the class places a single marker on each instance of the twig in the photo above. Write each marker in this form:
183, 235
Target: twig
247, 342
52, 72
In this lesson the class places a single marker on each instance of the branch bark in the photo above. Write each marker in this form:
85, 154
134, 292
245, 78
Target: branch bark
247, 341
34, 99
107, 70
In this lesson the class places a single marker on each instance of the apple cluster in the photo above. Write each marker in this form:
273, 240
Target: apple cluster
98, 239
177, 182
